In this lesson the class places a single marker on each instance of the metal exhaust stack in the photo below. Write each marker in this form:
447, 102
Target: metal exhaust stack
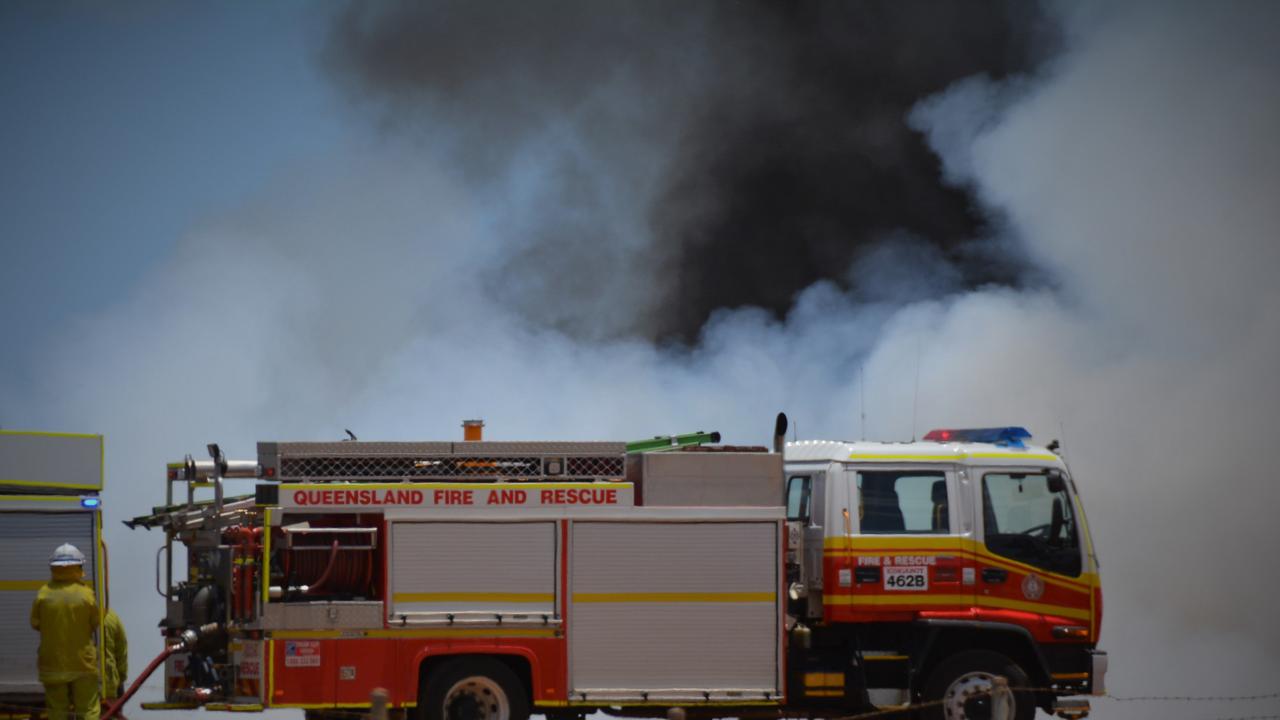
473, 430
780, 432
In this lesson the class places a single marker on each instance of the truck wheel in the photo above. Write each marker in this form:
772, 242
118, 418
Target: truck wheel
958, 689
472, 688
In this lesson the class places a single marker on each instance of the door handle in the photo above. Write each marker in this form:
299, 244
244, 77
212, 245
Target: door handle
994, 575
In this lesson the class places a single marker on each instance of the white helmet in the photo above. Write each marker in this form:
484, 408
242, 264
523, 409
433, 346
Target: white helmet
66, 554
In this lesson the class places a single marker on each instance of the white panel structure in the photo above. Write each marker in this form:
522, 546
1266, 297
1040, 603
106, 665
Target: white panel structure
27, 539
50, 461
675, 610
473, 571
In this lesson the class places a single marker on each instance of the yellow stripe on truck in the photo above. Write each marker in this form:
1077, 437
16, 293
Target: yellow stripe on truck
961, 600
675, 597
21, 584
410, 597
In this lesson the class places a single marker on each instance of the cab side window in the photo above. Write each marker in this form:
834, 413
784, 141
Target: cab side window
892, 502
799, 496
1028, 518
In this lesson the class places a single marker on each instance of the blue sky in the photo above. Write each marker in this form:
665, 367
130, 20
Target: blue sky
125, 126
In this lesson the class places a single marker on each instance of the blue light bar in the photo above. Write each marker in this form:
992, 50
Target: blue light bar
90, 502
1012, 435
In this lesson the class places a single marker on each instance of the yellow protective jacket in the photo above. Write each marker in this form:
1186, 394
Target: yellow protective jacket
66, 614
115, 654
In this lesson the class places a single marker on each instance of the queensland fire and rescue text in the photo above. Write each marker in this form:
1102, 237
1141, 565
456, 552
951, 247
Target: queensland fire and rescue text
488, 495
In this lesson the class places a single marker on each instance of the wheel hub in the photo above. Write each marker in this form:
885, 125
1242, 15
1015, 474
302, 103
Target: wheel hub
969, 698
476, 698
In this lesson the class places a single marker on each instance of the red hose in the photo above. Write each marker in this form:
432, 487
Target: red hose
333, 561
110, 713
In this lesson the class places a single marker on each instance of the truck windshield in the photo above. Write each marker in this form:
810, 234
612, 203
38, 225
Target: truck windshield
1028, 517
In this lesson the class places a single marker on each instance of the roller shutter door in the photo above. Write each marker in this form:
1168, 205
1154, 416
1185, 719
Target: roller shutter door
674, 609
27, 539
479, 568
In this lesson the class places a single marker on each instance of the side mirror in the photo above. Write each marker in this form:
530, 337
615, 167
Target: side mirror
1056, 482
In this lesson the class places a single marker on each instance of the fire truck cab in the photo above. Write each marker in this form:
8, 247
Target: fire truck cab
921, 571
492, 580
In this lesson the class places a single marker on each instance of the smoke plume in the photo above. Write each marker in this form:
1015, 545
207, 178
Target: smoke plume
677, 159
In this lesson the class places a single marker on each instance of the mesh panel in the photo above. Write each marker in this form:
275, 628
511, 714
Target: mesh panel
594, 466
383, 467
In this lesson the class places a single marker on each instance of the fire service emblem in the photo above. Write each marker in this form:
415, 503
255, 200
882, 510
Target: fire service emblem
1032, 587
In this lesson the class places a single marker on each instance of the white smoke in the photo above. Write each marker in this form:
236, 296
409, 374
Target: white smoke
1141, 172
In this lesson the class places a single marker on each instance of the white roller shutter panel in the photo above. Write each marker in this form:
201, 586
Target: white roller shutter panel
27, 539
671, 609
440, 568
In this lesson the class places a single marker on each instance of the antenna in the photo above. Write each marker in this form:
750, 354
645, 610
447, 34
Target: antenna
915, 398
862, 404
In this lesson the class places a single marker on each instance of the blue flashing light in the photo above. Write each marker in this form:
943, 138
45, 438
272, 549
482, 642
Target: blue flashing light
1011, 436
90, 502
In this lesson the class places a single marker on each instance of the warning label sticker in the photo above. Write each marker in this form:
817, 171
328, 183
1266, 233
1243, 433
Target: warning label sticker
302, 653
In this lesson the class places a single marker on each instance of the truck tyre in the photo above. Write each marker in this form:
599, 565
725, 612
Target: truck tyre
472, 688
958, 688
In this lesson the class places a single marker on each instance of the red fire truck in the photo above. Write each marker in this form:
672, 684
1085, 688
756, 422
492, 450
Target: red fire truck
493, 580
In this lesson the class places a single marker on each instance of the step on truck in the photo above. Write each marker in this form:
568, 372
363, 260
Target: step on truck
495, 580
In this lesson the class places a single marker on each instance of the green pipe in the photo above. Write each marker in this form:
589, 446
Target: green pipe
671, 442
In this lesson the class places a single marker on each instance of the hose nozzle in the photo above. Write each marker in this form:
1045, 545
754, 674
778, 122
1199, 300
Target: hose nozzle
190, 636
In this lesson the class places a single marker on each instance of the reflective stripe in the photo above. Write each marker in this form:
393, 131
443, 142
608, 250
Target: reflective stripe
819, 679
42, 433
921, 600
493, 632
607, 702
474, 597
319, 706
676, 597
1060, 610
35, 483
961, 600
904, 457
1017, 456
288, 487
21, 585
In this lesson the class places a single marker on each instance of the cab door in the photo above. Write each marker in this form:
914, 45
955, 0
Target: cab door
1031, 559
904, 555
806, 510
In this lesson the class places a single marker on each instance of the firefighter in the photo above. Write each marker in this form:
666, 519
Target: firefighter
66, 614
115, 655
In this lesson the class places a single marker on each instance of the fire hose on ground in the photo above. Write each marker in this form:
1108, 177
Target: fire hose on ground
185, 641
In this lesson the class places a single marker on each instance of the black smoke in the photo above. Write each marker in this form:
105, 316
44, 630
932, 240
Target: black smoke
754, 147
